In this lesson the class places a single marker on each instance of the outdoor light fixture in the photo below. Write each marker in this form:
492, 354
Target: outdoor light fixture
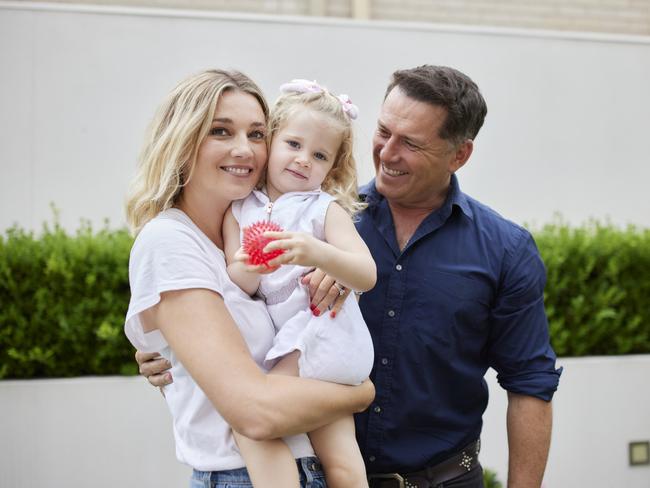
639, 453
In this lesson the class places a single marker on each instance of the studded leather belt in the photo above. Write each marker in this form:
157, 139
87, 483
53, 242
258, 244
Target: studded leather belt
432, 476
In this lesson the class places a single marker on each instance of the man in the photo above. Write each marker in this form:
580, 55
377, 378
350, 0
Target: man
459, 289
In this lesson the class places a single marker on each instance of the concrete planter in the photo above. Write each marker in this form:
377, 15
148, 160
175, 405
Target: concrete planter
116, 431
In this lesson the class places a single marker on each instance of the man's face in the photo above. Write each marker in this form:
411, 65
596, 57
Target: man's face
413, 164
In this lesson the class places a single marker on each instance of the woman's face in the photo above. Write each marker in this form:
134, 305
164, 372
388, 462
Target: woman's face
232, 156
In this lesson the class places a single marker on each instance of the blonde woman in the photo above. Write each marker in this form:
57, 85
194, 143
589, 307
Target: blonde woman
205, 148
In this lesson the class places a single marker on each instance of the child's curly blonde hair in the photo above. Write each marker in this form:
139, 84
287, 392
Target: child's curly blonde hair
341, 181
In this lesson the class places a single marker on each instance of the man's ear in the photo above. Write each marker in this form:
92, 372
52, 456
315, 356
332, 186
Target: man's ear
462, 154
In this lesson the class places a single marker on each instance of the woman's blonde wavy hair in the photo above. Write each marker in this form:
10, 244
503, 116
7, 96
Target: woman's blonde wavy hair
341, 181
172, 141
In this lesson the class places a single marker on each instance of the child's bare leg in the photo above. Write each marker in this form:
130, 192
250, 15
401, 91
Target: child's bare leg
270, 463
336, 446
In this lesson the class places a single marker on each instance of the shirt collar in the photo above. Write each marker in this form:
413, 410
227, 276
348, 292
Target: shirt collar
455, 197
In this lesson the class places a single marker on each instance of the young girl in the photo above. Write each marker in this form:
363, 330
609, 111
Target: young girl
310, 191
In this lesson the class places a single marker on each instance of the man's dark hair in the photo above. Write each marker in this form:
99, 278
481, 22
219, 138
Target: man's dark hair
447, 88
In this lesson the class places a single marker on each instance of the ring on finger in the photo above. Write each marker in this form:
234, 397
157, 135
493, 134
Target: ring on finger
340, 288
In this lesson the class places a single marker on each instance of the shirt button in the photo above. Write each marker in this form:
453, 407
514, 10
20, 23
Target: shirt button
398, 267
384, 361
372, 459
391, 313
377, 409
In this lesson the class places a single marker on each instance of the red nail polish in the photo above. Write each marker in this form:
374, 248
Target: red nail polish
312, 307
333, 314
316, 312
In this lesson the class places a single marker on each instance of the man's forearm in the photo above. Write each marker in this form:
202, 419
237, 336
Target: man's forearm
529, 422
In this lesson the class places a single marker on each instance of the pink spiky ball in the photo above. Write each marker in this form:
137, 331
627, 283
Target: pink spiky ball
254, 242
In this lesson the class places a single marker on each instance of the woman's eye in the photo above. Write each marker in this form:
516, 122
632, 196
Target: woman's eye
218, 131
258, 134
320, 156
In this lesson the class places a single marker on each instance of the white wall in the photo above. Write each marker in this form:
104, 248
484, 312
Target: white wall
566, 131
602, 404
117, 432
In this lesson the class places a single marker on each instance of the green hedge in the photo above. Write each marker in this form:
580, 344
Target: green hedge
598, 288
63, 297
62, 303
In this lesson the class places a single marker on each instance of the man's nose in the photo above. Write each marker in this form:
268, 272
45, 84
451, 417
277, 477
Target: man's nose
389, 151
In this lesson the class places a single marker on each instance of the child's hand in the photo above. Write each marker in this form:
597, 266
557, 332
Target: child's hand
299, 248
242, 257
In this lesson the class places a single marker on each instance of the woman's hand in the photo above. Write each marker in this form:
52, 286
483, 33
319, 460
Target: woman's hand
154, 368
324, 293
299, 248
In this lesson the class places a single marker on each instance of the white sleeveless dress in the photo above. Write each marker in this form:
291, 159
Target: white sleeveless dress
338, 350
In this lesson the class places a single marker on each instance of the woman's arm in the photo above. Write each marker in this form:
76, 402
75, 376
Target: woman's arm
344, 256
204, 337
244, 278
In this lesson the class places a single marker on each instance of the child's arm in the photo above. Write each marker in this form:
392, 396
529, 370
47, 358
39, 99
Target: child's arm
239, 272
344, 256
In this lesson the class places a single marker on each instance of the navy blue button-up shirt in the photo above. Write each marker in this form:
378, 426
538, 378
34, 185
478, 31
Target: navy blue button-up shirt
465, 294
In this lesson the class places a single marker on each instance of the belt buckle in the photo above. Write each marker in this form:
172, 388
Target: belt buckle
389, 476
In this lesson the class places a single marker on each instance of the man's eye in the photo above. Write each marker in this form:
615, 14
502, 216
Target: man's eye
218, 131
382, 132
258, 134
320, 156
410, 145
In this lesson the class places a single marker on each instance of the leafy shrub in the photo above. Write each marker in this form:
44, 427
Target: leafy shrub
63, 297
62, 303
490, 479
598, 288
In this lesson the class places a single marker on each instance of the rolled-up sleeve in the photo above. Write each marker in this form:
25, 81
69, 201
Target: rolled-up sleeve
519, 348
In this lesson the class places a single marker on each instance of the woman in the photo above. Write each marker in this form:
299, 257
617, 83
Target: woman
205, 148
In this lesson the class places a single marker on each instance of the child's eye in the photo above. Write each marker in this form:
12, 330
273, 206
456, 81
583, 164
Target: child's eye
320, 156
218, 131
258, 134
294, 144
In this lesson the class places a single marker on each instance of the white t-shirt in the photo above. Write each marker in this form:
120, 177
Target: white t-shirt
171, 253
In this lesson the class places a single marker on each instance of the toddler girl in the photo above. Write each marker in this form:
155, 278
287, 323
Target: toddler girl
310, 191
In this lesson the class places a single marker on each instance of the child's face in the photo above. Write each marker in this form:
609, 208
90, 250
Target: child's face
303, 151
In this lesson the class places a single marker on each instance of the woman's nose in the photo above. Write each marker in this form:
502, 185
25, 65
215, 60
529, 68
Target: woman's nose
242, 148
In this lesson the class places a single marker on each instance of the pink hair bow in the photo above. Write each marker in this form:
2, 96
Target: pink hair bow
301, 86
348, 107
307, 86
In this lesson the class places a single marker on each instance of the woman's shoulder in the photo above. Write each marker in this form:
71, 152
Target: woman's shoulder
168, 226
172, 232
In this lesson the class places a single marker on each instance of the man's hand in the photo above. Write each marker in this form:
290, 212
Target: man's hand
154, 367
324, 293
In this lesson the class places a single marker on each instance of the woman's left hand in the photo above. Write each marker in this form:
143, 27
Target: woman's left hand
299, 248
324, 293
